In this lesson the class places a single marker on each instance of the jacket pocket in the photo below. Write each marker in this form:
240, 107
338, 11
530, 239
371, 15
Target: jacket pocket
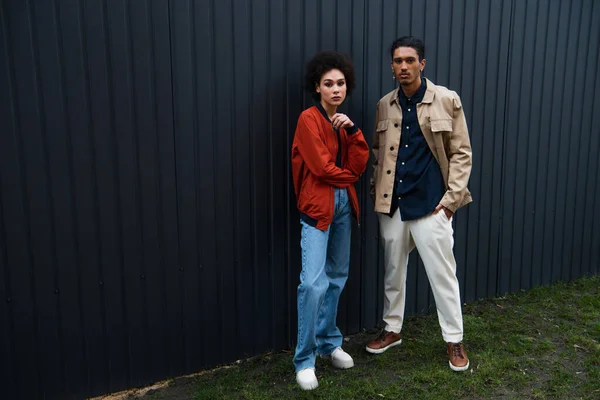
381, 129
441, 125
382, 126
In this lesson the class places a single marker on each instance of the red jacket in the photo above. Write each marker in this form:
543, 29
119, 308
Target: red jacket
314, 172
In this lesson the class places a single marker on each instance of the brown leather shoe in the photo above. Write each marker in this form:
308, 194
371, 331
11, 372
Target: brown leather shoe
384, 341
458, 357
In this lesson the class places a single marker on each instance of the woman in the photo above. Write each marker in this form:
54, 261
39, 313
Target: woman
329, 153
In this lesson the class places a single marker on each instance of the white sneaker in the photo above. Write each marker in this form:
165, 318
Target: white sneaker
307, 379
340, 359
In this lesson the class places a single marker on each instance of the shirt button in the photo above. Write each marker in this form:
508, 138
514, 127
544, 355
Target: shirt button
389, 172
402, 163
400, 180
392, 148
385, 195
407, 127
409, 109
399, 198
405, 145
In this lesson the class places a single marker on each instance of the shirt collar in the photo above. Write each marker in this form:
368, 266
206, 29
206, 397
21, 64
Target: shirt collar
415, 98
425, 97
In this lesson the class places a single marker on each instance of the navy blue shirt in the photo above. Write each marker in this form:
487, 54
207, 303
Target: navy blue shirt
419, 185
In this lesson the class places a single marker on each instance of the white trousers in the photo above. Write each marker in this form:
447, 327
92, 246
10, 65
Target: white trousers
433, 237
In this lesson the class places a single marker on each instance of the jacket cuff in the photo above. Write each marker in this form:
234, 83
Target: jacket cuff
450, 205
353, 130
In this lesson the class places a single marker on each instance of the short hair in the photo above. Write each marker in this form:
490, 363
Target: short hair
323, 62
409, 41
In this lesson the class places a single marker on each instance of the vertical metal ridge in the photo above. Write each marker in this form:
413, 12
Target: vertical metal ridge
529, 282
6, 275
587, 162
484, 106
526, 283
467, 215
4, 31
424, 17
252, 167
556, 194
437, 39
579, 159
158, 179
462, 46
363, 115
594, 193
552, 76
499, 279
564, 216
319, 24
335, 17
547, 148
253, 194
396, 13
450, 35
27, 215
381, 84
555, 209
4, 250
137, 195
580, 150
498, 218
75, 227
117, 180
234, 183
363, 192
40, 100
171, 19
597, 194
270, 173
212, 11
288, 187
519, 90
196, 153
410, 11
303, 41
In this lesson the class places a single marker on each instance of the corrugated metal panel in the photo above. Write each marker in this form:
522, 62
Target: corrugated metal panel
549, 139
147, 220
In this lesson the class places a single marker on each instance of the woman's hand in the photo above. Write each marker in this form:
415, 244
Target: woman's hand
341, 121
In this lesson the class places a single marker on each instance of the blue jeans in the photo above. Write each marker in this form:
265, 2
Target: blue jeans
325, 262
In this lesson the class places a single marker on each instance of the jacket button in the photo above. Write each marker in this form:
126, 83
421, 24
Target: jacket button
385, 195
389, 172
395, 125
392, 148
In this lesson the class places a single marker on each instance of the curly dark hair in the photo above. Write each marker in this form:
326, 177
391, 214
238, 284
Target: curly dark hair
323, 62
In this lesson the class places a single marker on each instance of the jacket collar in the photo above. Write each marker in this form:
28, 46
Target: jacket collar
322, 111
427, 97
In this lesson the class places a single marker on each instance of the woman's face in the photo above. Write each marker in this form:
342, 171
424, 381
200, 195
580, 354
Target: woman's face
332, 88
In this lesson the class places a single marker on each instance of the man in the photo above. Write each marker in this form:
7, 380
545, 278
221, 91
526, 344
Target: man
421, 170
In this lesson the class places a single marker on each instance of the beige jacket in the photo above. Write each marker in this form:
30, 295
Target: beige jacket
444, 127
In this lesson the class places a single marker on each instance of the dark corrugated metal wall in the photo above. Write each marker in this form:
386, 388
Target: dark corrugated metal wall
147, 223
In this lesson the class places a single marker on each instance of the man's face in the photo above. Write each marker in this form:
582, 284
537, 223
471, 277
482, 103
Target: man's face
406, 65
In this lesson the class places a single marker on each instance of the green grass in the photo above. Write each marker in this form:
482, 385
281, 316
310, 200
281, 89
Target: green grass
539, 344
